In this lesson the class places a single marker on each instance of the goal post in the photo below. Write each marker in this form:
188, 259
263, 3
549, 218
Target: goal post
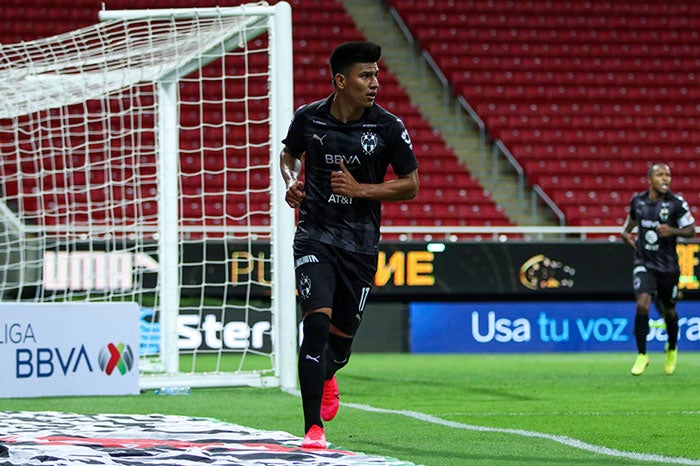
140, 163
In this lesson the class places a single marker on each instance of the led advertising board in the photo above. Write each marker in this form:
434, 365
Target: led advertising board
541, 326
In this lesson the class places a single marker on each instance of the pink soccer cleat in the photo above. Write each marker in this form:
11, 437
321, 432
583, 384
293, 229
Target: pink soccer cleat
331, 399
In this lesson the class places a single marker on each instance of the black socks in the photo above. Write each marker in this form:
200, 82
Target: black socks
311, 366
337, 354
641, 329
672, 330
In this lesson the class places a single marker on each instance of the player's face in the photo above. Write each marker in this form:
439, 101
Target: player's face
660, 179
361, 84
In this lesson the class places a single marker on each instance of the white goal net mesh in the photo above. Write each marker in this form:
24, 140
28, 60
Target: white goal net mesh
138, 164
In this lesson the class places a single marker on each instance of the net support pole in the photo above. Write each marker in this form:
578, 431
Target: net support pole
282, 106
168, 245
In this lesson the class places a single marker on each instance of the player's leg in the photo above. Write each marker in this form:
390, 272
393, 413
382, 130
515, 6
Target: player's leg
311, 365
644, 285
641, 321
666, 301
355, 280
671, 346
671, 319
337, 355
316, 285
338, 351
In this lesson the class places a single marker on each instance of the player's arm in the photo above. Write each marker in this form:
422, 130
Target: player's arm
626, 234
686, 225
290, 166
687, 231
403, 188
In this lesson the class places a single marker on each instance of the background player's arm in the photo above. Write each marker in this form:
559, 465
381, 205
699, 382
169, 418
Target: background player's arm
687, 231
403, 188
290, 167
626, 235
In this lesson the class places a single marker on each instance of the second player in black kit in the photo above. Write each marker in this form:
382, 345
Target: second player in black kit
660, 217
347, 144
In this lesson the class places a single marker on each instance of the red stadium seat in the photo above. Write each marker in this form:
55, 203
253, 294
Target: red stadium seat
575, 90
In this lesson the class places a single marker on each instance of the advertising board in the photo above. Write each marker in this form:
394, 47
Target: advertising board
59, 349
405, 271
541, 326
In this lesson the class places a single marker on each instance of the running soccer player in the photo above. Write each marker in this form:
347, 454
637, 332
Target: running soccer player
346, 142
661, 217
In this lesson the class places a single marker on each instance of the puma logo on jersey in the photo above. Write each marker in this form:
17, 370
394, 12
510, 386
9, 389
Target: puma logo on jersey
319, 138
314, 358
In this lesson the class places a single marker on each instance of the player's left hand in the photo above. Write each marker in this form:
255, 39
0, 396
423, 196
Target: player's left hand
665, 230
343, 183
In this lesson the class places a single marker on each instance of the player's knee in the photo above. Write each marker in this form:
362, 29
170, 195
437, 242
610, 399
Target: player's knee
316, 326
670, 313
339, 349
643, 306
643, 303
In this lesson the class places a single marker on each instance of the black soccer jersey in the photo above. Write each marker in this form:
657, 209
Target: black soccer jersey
367, 146
655, 252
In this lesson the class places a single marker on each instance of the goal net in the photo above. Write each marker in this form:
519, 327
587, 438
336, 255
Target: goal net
138, 160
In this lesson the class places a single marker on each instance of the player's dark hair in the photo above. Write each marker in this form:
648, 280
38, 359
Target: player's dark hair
350, 53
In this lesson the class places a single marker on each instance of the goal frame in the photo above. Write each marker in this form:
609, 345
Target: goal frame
276, 21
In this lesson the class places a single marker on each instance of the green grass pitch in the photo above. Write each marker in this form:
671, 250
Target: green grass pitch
442, 410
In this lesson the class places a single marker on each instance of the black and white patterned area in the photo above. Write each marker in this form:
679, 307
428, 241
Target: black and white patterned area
53, 438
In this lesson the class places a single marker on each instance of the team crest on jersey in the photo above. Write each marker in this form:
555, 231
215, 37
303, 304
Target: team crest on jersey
369, 142
663, 214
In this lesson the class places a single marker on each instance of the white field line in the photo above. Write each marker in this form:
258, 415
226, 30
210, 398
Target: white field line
580, 413
568, 441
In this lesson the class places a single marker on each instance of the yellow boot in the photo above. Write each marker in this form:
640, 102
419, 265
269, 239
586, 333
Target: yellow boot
640, 364
671, 360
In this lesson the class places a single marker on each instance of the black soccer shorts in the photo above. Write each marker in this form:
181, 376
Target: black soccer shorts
328, 276
661, 286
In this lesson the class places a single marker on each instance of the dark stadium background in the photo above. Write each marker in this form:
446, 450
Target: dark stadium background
568, 102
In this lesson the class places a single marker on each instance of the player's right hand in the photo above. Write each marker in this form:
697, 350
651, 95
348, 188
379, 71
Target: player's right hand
295, 194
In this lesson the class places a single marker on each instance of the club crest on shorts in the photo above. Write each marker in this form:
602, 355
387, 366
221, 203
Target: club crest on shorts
304, 286
369, 142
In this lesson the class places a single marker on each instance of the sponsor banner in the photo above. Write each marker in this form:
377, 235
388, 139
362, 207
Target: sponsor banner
440, 271
384, 329
513, 327
405, 271
224, 327
58, 349
211, 328
124, 439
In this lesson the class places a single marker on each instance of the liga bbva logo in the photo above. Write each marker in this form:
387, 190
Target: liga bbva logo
119, 357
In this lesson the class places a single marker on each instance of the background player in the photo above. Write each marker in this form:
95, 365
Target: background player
347, 143
661, 216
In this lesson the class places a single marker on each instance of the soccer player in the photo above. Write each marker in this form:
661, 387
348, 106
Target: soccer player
346, 142
661, 216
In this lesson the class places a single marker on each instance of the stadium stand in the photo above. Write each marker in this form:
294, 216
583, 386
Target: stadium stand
584, 94
450, 195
